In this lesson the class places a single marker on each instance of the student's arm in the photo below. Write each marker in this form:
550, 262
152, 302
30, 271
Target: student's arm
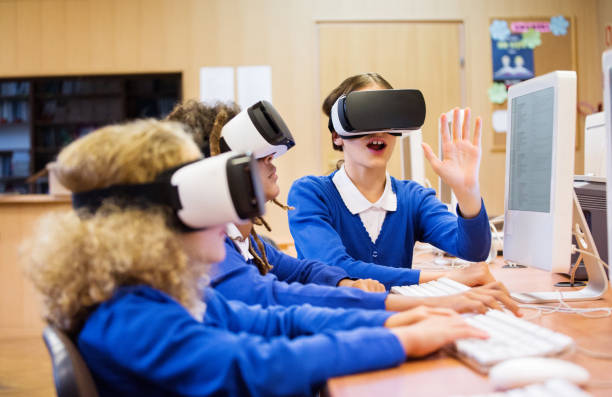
238, 280
315, 238
304, 271
161, 347
289, 321
469, 239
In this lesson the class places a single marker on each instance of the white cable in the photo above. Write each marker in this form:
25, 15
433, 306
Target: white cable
575, 249
594, 354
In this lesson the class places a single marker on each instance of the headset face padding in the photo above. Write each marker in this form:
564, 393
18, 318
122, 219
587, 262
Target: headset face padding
203, 193
364, 112
260, 130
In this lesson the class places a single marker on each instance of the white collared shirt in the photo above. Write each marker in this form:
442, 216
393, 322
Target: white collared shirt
242, 243
372, 214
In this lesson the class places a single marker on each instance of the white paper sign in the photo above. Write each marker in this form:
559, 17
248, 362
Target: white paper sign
254, 84
217, 84
498, 120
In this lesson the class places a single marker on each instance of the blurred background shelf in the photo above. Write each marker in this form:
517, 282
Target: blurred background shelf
41, 115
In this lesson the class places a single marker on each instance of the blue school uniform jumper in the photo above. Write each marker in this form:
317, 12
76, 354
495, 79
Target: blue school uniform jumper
290, 282
324, 229
143, 342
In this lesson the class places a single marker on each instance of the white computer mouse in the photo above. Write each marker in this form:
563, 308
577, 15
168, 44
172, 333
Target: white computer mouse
524, 371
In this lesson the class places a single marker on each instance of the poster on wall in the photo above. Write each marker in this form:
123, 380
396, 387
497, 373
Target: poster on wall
523, 48
512, 60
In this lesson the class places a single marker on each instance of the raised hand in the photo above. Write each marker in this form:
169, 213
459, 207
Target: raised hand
460, 163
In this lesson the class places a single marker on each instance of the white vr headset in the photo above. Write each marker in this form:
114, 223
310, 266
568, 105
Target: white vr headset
259, 129
201, 194
364, 112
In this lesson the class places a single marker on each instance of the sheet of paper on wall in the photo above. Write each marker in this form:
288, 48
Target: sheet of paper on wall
217, 84
254, 84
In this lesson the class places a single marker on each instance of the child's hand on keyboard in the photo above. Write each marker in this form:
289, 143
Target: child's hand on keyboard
478, 299
366, 284
473, 275
493, 294
415, 315
434, 332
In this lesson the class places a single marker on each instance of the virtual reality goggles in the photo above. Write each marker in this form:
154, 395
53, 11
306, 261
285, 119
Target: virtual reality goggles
364, 112
201, 194
259, 130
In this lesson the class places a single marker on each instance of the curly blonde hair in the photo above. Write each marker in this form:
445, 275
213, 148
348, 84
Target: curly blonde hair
78, 260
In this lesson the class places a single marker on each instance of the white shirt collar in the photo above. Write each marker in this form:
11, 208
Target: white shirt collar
355, 201
243, 243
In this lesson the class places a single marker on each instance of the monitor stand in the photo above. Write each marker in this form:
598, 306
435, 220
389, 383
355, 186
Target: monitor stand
598, 282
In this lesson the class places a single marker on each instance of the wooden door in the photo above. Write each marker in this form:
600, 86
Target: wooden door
422, 55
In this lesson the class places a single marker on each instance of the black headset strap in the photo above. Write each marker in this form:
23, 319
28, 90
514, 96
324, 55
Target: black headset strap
159, 192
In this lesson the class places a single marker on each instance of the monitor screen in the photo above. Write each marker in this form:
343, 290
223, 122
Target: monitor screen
531, 141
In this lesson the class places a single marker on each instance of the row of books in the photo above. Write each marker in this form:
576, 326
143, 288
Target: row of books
15, 164
13, 112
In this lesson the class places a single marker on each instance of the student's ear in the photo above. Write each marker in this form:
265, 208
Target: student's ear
337, 140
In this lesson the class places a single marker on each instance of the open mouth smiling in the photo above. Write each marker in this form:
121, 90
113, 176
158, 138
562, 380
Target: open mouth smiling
376, 144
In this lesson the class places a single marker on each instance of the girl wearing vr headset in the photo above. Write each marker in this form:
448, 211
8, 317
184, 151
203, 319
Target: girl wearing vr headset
122, 277
361, 219
255, 272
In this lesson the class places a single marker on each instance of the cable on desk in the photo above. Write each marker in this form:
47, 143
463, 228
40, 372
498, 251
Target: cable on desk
594, 354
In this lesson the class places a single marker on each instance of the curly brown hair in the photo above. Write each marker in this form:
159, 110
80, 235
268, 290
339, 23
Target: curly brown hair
351, 84
200, 119
77, 260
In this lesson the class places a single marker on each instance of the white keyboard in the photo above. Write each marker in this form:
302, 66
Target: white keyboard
440, 287
509, 337
552, 388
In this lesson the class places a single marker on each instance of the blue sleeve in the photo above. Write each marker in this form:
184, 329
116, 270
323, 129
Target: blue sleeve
288, 321
469, 239
238, 280
316, 238
304, 271
139, 347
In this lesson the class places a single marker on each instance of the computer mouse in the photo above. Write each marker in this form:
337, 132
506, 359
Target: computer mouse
524, 371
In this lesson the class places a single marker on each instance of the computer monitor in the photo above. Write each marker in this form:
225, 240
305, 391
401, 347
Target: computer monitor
595, 143
539, 171
413, 165
606, 62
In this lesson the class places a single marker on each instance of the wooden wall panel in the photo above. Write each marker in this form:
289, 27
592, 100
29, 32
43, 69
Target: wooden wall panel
28, 36
20, 312
103, 36
119, 36
52, 38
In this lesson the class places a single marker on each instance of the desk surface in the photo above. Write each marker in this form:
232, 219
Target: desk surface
443, 375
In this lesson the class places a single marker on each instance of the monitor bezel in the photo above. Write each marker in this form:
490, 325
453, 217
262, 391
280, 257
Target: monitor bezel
537, 239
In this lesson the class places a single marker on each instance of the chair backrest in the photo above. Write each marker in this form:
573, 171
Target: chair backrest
70, 373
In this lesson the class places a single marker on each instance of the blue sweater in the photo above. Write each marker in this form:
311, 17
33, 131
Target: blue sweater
324, 229
142, 342
290, 282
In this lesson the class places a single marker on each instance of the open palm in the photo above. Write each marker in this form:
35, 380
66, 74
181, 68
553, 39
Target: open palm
460, 161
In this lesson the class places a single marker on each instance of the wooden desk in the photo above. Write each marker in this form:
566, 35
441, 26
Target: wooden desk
442, 375
20, 313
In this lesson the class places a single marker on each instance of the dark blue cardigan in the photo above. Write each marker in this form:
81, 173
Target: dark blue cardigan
143, 343
324, 229
290, 282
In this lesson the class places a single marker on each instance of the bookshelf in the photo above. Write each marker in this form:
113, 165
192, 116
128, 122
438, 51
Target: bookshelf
41, 115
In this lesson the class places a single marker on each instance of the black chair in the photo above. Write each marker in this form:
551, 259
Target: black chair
70, 373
